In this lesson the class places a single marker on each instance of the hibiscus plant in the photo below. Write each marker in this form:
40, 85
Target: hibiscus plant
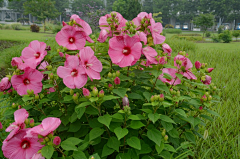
122, 95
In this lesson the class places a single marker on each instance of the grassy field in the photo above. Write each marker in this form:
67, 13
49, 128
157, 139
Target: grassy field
224, 138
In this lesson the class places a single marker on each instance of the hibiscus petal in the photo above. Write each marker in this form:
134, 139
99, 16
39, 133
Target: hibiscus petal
69, 82
80, 80
35, 86
96, 64
93, 74
27, 53
61, 39
158, 39
35, 45
86, 54
115, 55
117, 43
130, 41
63, 71
20, 116
80, 43
136, 50
126, 61
35, 76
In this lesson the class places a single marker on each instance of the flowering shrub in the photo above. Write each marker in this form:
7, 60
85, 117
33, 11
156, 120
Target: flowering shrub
138, 102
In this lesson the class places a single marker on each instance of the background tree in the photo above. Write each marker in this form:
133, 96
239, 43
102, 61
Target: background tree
41, 9
148, 6
205, 21
61, 6
121, 7
80, 5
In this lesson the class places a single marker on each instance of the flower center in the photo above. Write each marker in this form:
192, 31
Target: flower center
74, 73
37, 54
87, 64
26, 81
25, 144
71, 40
126, 51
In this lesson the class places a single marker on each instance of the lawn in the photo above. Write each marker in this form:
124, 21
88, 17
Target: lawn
224, 138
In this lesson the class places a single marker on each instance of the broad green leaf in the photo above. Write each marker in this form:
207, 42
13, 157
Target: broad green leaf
74, 127
95, 156
123, 156
134, 117
113, 143
169, 148
154, 117
84, 104
109, 97
134, 142
147, 95
145, 149
167, 126
80, 111
166, 104
194, 121
120, 91
155, 135
159, 148
79, 155
44, 100
181, 112
73, 118
213, 113
47, 86
117, 116
190, 136
156, 73
135, 124
120, 133
207, 117
106, 119
147, 157
68, 98
27, 98
167, 76
69, 144
47, 151
95, 132
174, 133
134, 96
93, 99
180, 76
146, 110
166, 119
107, 151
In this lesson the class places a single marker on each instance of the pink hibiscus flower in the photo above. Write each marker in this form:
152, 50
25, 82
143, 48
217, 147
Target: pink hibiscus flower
17, 61
85, 26
186, 64
71, 38
47, 126
140, 16
20, 147
208, 80
150, 54
167, 49
20, 116
124, 50
92, 66
103, 36
73, 73
5, 84
38, 156
172, 72
156, 29
142, 37
30, 80
34, 53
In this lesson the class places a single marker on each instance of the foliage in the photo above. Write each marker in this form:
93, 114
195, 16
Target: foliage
220, 29
17, 5
173, 31
189, 35
189, 38
208, 33
157, 17
22, 20
236, 34
215, 38
16, 26
1, 26
35, 28
205, 21
79, 6
7, 26
169, 26
147, 6
56, 28
226, 36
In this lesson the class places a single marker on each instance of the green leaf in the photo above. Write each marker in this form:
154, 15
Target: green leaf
48, 86
213, 113
84, 104
134, 96
106, 119
27, 98
95, 156
80, 111
120, 133
167, 126
166, 119
120, 91
74, 127
106, 151
180, 76
113, 143
167, 76
93, 99
73, 118
147, 95
155, 135
135, 124
154, 117
79, 155
194, 121
95, 132
161, 86
166, 104
109, 97
134, 117
134, 142
169, 148
159, 148
44, 100
190, 136
206, 117
181, 112
123, 156
67, 98
47, 151
146, 110
117, 116
174, 133
69, 143
156, 73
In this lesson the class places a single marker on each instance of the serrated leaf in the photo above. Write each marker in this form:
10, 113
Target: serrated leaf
79, 155
159, 148
135, 124
134, 142
120, 133
167, 126
69, 144
154, 117
95, 132
47, 151
190, 136
147, 95
146, 110
113, 143
166, 119
174, 133
120, 91
80, 111
155, 135
169, 148
84, 104
106, 151
181, 112
134, 96
27, 98
68, 98
106, 119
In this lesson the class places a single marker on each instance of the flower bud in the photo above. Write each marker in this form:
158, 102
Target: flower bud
46, 139
171, 91
205, 135
206, 80
198, 65
163, 132
58, 50
209, 70
50, 135
49, 67
1, 126
92, 157
31, 123
36, 97
117, 81
51, 76
61, 54
75, 97
209, 98
101, 94
165, 137
204, 98
125, 101
118, 73
156, 97
214, 88
200, 108
19, 107
207, 94
14, 105
178, 93
26, 121
109, 75
161, 97
114, 75
95, 91
86, 93
57, 140
202, 65
110, 86
152, 99
71, 92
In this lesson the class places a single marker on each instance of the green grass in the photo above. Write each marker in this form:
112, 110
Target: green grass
233, 46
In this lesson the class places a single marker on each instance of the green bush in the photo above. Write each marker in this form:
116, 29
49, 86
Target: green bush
216, 39
7, 26
16, 26
35, 28
226, 36
173, 31
1, 26
189, 38
56, 28
220, 29
208, 34
169, 26
189, 35
9, 20
236, 33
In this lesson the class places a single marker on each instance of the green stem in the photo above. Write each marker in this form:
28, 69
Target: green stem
154, 84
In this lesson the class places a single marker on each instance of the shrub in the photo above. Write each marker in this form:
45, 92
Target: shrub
173, 31
236, 34
56, 28
189, 38
208, 34
189, 35
16, 26
216, 38
1, 26
7, 26
9, 20
126, 109
169, 26
35, 28
220, 29
226, 36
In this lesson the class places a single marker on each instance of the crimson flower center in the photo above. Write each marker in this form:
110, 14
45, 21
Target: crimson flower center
71, 40
126, 51
74, 73
37, 55
25, 144
26, 81
87, 64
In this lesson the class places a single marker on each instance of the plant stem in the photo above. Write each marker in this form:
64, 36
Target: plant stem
128, 71
154, 84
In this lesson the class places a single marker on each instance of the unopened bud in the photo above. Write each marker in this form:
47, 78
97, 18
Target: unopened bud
75, 97
114, 75
214, 88
57, 140
156, 97
30, 92
171, 91
117, 81
165, 137
163, 132
203, 78
71, 92
203, 65
109, 75
101, 94
125, 101
209, 70
86, 93
110, 86
204, 98
58, 50
46, 139
61, 54
178, 93
14, 105
19, 107
31, 123
51, 76
95, 91
36, 97
161, 97
198, 65
65, 49
152, 99
49, 67
205, 135
26, 121
118, 73
207, 94
92, 157
50, 135
209, 98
